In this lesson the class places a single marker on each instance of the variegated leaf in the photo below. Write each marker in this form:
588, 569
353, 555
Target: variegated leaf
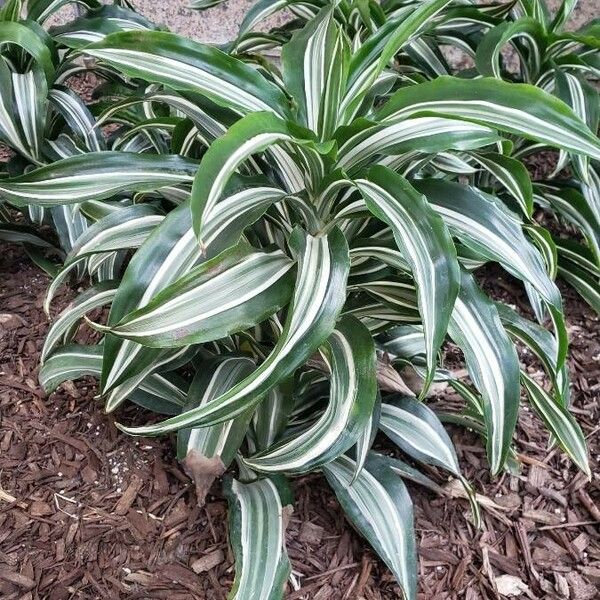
378, 505
519, 109
350, 354
232, 292
493, 365
317, 301
425, 242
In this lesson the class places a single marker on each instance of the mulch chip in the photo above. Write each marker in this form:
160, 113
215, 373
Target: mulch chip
86, 512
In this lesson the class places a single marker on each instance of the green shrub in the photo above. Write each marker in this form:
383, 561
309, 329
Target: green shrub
541, 52
42, 118
305, 231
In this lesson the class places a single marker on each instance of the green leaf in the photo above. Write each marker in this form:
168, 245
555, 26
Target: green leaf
323, 51
378, 505
584, 283
127, 227
165, 360
591, 193
40, 10
560, 422
78, 117
66, 323
541, 342
514, 108
415, 428
318, 299
583, 99
187, 66
258, 515
97, 23
562, 14
169, 253
96, 176
232, 292
574, 207
488, 228
155, 392
367, 438
272, 414
422, 134
582, 256
492, 363
11, 11
426, 244
29, 91
207, 451
16, 233
407, 472
204, 4
29, 40
250, 135
512, 174
122, 229
403, 341
350, 354
378, 50
485, 225
490, 46
262, 9
23, 109
70, 363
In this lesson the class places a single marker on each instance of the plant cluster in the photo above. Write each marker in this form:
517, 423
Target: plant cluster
288, 230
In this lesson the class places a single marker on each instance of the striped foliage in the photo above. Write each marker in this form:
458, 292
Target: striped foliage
207, 451
315, 306
236, 290
417, 431
155, 392
183, 65
562, 424
424, 241
259, 511
350, 353
286, 246
493, 365
96, 176
378, 505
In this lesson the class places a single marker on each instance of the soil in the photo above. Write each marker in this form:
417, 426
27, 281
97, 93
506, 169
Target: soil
86, 512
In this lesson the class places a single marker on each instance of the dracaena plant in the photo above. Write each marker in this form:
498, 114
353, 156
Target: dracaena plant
42, 117
567, 65
543, 53
318, 244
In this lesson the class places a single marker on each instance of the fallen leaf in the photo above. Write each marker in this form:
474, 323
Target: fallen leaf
203, 471
509, 585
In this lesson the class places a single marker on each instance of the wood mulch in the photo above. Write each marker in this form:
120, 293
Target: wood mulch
86, 512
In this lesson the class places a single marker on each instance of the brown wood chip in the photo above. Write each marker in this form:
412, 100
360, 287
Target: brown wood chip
208, 561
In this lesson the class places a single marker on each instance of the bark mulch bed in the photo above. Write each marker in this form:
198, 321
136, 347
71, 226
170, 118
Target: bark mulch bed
86, 512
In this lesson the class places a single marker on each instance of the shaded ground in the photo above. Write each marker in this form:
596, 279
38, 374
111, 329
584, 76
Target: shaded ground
95, 514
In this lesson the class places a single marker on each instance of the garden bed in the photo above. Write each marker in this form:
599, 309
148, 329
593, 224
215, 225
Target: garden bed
87, 512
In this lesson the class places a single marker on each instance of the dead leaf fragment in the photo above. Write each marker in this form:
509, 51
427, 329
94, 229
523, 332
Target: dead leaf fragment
10, 322
510, 586
202, 471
